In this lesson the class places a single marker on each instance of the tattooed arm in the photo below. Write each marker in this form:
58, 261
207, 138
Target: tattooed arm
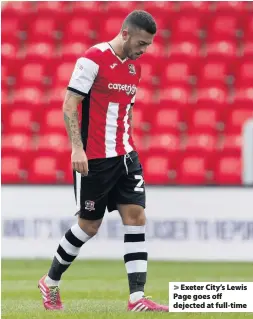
70, 111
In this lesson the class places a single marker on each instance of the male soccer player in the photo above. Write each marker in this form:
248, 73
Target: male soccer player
107, 171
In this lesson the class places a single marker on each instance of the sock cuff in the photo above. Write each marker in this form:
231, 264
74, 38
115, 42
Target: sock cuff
79, 233
134, 229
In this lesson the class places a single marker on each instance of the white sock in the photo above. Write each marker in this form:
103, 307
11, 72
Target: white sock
51, 283
135, 296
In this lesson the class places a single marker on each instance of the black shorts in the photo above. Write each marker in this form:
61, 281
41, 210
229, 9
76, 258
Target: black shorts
111, 181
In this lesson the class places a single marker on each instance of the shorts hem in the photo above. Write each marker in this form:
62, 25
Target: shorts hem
126, 203
90, 215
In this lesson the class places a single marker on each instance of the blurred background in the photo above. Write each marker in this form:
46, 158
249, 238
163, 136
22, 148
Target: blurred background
193, 127
195, 97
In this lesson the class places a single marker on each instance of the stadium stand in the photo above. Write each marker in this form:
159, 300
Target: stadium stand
196, 90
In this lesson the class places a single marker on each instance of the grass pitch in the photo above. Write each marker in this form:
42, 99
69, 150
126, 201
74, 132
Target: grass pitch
99, 289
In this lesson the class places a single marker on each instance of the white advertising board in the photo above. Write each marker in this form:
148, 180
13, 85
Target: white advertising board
182, 224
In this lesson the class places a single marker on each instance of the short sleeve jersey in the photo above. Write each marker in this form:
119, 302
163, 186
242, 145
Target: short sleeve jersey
109, 85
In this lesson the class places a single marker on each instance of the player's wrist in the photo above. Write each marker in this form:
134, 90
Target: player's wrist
76, 148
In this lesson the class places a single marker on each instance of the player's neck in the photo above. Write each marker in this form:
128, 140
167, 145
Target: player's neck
117, 48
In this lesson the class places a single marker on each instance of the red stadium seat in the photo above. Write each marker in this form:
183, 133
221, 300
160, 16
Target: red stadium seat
121, 7
231, 143
11, 25
228, 170
175, 72
157, 168
52, 121
184, 50
37, 50
108, 27
62, 73
66, 168
28, 95
247, 50
199, 8
21, 119
57, 94
232, 7
222, 27
12, 169
55, 142
159, 8
164, 142
13, 69
149, 71
166, 119
156, 50
73, 50
43, 169
138, 117
144, 95
9, 52
221, 50
209, 94
192, 170
244, 73
185, 26
32, 74
177, 96
212, 72
82, 7
139, 139
236, 118
4, 75
200, 143
52, 7
247, 25
19, 141
44, 28
243, 96
78, 28
18, 8
204, 120
5, 98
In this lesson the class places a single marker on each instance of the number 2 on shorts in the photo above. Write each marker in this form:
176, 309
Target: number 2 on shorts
138, 187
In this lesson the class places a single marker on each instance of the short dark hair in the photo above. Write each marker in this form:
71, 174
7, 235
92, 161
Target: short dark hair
140, 19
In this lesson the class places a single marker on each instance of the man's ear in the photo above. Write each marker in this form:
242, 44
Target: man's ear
125, 34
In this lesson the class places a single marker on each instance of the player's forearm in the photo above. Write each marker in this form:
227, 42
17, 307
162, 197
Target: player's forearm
70, 110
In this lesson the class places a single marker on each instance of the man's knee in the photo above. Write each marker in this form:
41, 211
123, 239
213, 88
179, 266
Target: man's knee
90, 227
133, 215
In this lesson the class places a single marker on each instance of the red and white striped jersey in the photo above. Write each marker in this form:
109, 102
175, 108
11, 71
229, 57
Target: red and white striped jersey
109, 85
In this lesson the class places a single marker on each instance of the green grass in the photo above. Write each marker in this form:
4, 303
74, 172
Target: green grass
99, 289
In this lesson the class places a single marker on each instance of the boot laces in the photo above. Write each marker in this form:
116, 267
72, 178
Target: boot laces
54, 294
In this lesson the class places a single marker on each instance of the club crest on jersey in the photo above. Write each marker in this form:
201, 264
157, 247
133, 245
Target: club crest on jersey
131, 69
89, 205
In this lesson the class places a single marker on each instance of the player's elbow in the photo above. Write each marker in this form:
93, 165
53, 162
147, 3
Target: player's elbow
71, 102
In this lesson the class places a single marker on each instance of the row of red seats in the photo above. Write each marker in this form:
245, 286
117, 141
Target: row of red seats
198, 7
200, 118
184, 27
169, 142
193, 169
160, 6
190, 50
170, 71
179, 64
159, 168
176, 96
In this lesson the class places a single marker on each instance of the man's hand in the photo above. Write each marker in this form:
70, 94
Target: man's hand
79, 161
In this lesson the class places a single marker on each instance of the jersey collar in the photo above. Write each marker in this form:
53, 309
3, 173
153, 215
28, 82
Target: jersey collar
113, 52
